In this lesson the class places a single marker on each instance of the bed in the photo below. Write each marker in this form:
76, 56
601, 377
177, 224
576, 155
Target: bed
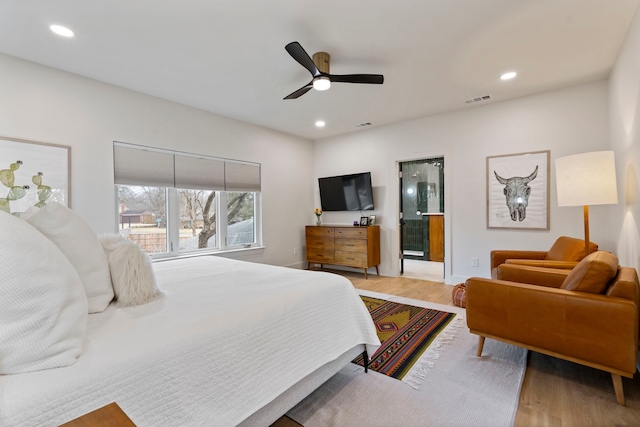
227, 343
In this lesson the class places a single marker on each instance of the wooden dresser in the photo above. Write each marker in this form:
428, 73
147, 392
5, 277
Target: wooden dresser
349, 246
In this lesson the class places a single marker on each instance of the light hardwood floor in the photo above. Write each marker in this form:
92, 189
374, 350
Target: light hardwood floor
554, 392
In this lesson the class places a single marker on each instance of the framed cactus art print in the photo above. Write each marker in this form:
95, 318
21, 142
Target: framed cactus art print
33, 174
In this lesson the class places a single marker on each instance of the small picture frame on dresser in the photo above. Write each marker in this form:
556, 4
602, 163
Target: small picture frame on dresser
372, 220
364, 221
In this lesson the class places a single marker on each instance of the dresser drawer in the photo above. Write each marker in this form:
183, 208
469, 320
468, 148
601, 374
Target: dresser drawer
351, 245
319, 255
351, 259
351, 233
319, 231
320, 244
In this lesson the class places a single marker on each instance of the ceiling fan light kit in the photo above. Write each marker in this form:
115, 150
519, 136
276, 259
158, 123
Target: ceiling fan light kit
321, 83
321, 79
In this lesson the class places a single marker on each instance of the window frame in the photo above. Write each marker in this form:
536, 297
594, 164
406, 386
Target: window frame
172, 206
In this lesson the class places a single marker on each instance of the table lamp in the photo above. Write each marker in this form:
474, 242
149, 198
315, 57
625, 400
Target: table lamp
586, 179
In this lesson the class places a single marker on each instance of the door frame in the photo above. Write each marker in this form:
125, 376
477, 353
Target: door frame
448, 167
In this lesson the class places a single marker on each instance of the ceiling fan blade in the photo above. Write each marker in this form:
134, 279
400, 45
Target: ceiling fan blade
357, 78
299, 54
300, 92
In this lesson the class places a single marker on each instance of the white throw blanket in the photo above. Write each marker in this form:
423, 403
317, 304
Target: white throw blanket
226, 339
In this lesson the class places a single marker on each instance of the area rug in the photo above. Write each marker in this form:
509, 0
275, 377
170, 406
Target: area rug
460, 389
406, 332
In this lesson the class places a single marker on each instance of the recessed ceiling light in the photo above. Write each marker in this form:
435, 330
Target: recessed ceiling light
508, 76
61, 31
320, 123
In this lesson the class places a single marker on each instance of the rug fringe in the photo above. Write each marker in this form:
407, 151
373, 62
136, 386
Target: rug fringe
419, 372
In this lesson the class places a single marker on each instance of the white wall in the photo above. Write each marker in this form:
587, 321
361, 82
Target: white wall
43, 104
47, 105
565, 121
624, 125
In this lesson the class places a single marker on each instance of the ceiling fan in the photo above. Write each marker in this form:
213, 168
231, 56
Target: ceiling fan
319, 69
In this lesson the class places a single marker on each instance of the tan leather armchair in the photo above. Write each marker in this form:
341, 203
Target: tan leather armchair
565, 253
591, 319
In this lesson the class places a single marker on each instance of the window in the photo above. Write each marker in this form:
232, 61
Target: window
175, 203
142, 216
198, 223
240, 218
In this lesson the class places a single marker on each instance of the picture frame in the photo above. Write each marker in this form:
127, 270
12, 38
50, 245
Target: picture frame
364, 221
33, 173
372, 220
518, 191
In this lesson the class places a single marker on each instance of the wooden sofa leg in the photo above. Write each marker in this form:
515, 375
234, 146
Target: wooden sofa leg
480, 345
617, 387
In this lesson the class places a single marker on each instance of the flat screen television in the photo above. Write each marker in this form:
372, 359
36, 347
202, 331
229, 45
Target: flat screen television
346, 192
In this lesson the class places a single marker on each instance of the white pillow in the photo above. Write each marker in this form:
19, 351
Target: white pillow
79, 243
43, 306
134, 282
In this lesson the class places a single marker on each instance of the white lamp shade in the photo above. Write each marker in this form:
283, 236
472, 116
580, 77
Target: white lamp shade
587, 179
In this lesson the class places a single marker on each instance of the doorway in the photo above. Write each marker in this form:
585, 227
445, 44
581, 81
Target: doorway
422, 219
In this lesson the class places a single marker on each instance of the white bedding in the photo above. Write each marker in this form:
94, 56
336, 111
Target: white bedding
226, 339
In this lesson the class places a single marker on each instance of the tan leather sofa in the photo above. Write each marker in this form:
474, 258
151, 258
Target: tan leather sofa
591, 319
565, 253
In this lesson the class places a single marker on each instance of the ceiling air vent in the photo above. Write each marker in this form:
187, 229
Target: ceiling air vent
478, 99
361, 125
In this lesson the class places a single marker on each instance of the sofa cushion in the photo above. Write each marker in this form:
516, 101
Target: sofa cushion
569, 249
593, 273
541, 276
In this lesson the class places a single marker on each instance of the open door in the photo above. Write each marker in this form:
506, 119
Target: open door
421, 224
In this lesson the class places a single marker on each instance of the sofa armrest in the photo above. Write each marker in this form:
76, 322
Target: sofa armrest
541, 276
598, 329
500, 256
568, 265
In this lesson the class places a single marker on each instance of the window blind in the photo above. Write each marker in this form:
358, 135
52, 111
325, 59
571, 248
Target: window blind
242, 177
145, 166
199, 173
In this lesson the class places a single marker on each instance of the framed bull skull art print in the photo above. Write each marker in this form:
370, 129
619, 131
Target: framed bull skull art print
518, 191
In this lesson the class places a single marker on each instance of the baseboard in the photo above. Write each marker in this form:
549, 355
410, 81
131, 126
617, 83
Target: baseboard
299, 265
454, 280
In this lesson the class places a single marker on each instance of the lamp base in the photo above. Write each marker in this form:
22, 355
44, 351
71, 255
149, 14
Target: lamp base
586, 230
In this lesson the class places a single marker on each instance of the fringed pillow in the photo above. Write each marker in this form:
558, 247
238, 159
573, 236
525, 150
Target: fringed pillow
132, 276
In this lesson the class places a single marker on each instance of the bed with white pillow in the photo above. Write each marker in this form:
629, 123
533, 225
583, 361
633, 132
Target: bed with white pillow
192, 342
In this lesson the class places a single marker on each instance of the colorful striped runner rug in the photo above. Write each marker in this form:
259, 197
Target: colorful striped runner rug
406, 333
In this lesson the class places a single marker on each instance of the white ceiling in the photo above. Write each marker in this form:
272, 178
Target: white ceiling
228, 56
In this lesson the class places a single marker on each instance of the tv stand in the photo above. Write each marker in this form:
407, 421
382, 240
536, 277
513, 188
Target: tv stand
349, 246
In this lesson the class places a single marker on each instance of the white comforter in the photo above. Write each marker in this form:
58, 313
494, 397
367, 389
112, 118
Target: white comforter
226, 339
